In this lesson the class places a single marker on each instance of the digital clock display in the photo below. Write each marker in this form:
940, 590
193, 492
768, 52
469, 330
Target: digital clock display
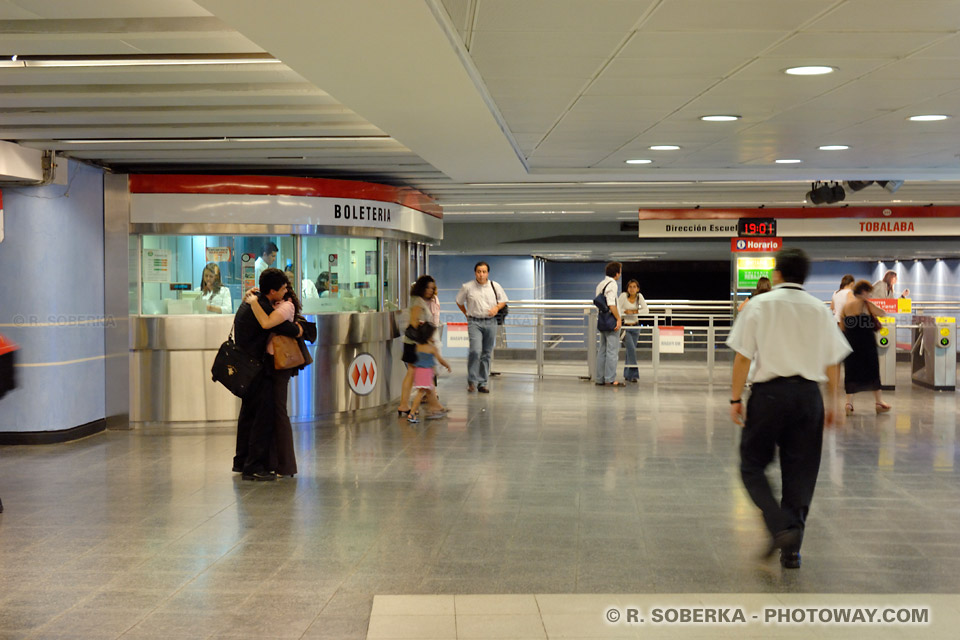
757, 227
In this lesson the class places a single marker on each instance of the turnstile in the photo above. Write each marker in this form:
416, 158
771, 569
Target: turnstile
934, 352
887, 352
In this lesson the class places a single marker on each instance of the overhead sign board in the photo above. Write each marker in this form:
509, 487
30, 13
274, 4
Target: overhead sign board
749, 270
889, 228
755, 245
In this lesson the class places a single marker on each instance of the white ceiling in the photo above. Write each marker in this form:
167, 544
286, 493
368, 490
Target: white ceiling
507, 110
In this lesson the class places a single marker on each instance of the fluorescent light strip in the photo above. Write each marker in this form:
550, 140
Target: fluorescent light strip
207, 140
17, 62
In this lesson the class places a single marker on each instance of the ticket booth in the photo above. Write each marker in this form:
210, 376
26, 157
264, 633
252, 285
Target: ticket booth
350, 249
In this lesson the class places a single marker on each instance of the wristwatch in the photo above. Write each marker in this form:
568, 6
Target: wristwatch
736, 401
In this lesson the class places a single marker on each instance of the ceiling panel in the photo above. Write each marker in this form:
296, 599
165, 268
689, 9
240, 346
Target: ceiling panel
892, 15
839, 44
560, 44
72, 9
670, 67
559, 15
650, 44
735, 15
563, 67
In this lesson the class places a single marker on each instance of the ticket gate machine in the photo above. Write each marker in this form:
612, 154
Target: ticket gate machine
887, 352
934, 352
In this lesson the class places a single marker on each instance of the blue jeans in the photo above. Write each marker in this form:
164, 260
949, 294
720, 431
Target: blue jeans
630, 370
608, 351
483, 336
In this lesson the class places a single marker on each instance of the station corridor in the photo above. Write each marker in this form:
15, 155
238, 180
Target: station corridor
542, 495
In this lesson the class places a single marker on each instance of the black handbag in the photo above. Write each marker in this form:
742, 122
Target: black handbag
234, 368
606, 321
502, 313
412, 333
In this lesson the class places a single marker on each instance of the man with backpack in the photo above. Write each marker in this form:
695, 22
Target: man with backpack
608, 348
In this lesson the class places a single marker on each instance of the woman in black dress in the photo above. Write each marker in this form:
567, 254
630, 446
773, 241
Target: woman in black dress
862, 368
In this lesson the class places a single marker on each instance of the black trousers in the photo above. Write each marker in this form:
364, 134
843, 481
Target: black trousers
784, 414
255, 427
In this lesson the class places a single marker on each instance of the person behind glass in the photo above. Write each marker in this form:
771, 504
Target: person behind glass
841, 297
428, 356
480, 300
630, 304
255, 424
796, 344
883, 288
283, 458
268, 255
763, 285
212, 292
422, 291
608, 348
861, 371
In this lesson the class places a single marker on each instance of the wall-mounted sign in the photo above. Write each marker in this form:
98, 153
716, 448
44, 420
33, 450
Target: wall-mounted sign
362, 374
156, 265
457, 335
219, 254
248, 271
749, 270
671, 339
806, 227
757, 245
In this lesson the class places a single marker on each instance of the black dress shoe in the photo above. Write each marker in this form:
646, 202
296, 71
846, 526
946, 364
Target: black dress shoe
237, 469
790, 559
782, 540
483, 390
260, 476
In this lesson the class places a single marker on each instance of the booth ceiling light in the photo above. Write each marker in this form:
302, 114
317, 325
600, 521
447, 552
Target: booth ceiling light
639, 161
788, 161
824, 193
165, 60
719, 118
834, 147
664, 147
928, 118
813, 70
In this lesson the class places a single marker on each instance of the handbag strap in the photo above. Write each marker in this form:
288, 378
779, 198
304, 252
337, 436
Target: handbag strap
495, 296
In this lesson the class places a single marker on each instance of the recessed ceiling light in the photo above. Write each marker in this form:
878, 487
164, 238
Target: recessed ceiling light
639, 161
788, 161
719, 118
834, 147
664, 147
928, 118
814, 70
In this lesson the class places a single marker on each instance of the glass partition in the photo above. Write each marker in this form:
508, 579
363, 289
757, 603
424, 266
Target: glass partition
339, 274
208, 274
205, 274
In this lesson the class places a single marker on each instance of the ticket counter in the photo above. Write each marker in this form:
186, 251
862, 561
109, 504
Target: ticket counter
197, 243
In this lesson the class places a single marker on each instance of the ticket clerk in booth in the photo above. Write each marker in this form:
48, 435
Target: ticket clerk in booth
212, 291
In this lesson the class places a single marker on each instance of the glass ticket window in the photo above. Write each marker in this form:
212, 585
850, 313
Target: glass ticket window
206, 274
339, 274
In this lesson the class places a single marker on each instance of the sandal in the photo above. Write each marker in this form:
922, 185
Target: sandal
883, 407
849, 409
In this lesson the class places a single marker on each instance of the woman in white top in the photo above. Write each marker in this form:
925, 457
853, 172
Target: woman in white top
213, 292
841, 297
630, 304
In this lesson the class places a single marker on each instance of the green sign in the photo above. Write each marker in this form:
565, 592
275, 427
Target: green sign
749, 270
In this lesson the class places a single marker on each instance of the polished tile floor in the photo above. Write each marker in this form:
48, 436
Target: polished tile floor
541, 488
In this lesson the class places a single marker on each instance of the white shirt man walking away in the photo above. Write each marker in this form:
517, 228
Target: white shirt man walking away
480, 300
608, 348
796, 344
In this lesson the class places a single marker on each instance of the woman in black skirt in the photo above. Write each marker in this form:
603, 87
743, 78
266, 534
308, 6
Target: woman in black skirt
862, 368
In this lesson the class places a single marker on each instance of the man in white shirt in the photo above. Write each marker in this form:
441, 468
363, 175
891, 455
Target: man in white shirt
480, 299
797, 345
268, 255
608, 348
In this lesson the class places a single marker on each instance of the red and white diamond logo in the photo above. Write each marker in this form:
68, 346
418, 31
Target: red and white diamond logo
362, 374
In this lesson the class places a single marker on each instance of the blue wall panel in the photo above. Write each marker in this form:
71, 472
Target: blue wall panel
52, 292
